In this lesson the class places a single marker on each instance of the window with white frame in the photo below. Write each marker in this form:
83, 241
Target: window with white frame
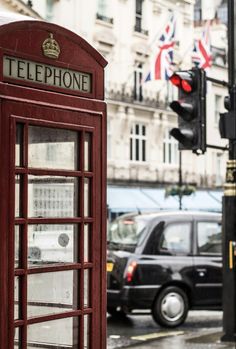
218, 102
138, 142
138, 77
102, 7
138, 15
49, 9
170, 149
104, 11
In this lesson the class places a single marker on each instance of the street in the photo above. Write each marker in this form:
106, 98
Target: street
202, 329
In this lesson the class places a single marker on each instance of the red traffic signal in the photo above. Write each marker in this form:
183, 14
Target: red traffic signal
183, 80
191, 109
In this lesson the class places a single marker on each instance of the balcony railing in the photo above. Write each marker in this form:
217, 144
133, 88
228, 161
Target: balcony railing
104, 18
150, 101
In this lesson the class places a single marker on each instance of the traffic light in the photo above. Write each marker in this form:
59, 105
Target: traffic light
227, 123
191, 109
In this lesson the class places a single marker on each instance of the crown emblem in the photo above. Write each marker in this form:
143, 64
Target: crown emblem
50, 47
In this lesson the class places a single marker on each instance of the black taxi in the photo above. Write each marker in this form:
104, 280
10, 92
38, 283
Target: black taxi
165, 262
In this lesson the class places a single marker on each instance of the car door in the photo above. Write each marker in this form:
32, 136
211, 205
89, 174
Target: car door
168, 254
208, 263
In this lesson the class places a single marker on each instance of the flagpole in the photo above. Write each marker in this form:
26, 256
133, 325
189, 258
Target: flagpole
158, 34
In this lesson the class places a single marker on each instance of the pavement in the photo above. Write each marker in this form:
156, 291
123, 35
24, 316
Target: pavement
184, 340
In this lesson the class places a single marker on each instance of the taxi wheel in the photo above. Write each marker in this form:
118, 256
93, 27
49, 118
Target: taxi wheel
171, 306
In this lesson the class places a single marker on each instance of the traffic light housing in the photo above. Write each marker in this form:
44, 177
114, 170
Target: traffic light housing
191, 109
227, 122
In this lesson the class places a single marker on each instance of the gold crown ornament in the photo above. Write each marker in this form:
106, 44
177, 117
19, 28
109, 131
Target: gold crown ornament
50, 47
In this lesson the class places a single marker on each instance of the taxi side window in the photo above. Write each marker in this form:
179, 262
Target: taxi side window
209, 238
176, 239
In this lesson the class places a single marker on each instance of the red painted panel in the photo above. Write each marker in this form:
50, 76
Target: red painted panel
24, 39
49, 106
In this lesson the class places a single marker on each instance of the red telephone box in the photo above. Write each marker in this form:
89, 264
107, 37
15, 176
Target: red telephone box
52, 184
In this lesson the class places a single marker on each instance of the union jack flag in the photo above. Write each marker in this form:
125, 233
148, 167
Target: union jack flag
162, 64
202, 56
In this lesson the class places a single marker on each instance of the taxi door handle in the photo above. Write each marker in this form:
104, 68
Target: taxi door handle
202, 271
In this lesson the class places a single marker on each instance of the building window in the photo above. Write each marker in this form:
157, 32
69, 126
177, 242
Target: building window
222, 12
138, 76
138, 17
170, 149
102, 12
138, 141
49, 9
218, 101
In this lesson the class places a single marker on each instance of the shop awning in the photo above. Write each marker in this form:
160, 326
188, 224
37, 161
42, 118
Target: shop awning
122, 199
125, 199
203, 200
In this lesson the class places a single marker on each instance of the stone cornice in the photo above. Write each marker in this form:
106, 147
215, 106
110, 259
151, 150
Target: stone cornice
20, 7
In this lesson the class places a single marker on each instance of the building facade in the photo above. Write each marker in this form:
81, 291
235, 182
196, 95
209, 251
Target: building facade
140, 151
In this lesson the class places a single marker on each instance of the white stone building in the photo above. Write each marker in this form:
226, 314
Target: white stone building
140, 151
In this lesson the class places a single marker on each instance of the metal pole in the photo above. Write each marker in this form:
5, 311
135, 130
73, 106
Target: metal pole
229, 198
180, 180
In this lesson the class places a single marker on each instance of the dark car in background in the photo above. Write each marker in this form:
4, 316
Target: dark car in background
166, 262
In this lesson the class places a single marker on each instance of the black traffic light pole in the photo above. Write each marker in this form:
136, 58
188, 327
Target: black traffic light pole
229, 198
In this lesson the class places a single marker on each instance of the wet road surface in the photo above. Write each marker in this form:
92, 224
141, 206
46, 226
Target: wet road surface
201, 330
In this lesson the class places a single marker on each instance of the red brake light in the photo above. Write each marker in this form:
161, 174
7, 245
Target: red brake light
127, 222
186, 86
130, 271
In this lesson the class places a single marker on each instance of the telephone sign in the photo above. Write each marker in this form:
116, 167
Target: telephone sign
25, 70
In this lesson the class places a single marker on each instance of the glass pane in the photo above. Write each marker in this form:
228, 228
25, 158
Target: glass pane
87, 238
87, 210
19, 145
209, 238
63, 333
131, 149
86, 287
18, 191
52, 293
136, 149
143, 150
16, 297
52, 196
176, 238
87, 320
17, 246
53, 148
87, 152
143, 130
52, 243
17, 338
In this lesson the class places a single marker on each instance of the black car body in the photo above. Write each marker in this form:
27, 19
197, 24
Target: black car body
166, 262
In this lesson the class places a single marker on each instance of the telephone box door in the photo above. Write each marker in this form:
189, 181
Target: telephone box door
55, 168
